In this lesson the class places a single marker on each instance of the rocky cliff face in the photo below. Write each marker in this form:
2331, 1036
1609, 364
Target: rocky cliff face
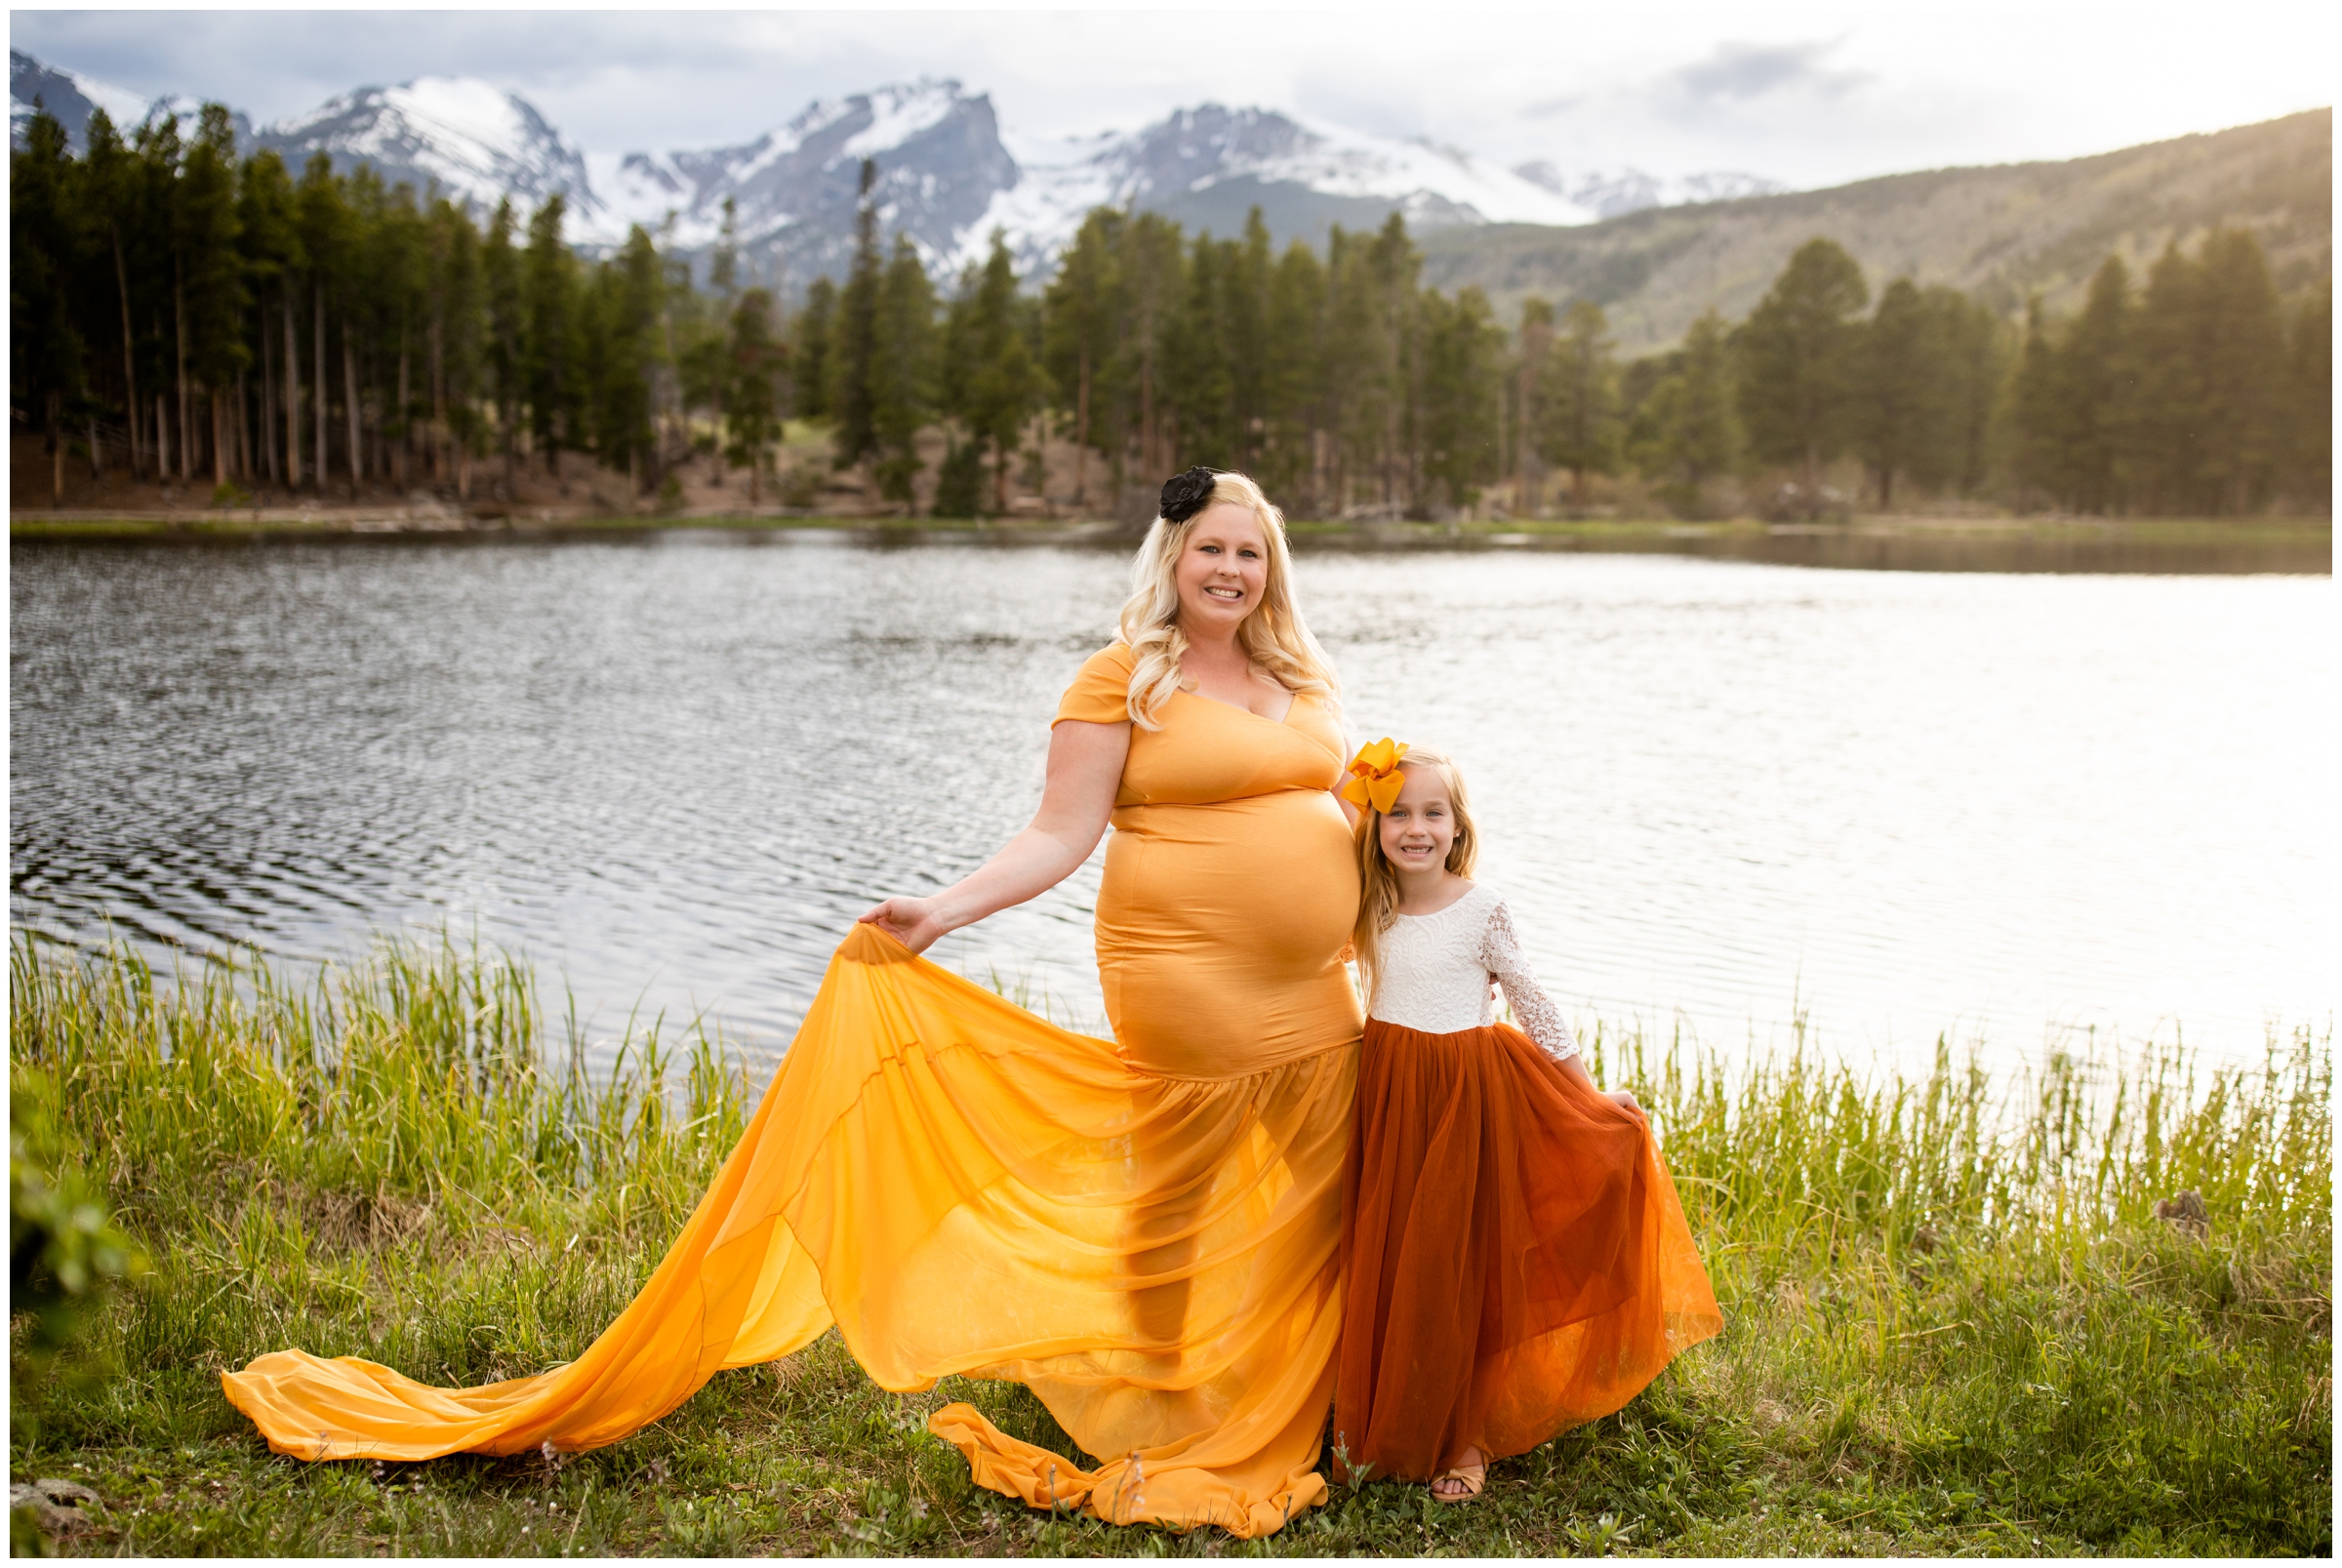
939, 163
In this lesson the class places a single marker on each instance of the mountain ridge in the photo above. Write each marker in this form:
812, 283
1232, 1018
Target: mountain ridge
1652, 252
2001, 232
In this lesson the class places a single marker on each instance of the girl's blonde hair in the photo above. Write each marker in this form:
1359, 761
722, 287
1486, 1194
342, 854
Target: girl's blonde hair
1378, 878
1273, 635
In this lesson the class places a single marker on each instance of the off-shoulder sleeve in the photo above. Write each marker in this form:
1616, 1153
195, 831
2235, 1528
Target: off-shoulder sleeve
1101, 693
1540, 1019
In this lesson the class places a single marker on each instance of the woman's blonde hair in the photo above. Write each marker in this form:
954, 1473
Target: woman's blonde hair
1273, 635
1378, 878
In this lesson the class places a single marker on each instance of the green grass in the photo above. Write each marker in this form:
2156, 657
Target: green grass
1951, 1324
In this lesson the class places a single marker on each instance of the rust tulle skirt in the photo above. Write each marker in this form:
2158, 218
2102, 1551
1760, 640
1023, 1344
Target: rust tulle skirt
1514, 1257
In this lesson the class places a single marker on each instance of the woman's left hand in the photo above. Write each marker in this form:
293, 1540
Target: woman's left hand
915, 923
1625, 1101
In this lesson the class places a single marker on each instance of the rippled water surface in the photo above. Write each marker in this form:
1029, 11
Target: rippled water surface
672, 769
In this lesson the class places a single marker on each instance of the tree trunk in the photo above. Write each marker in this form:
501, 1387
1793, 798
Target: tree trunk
438, 403
999, 477
186, 441
274, 475
162, 441
1081, 438
406, 426
1577, 487
57, 450
319, 396
220, 447
130, 362
244, 468
1813, 483
349, 396
97, 465
292, 396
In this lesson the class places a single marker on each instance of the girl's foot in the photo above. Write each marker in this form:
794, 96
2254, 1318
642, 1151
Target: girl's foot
1464, 1482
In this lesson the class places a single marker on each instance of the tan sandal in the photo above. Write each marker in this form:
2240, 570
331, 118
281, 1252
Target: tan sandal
1473, 1476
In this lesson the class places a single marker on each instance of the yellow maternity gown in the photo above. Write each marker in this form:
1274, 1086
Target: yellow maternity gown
1143, 1230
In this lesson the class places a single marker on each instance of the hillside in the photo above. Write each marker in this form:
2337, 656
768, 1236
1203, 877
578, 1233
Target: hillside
2000, 233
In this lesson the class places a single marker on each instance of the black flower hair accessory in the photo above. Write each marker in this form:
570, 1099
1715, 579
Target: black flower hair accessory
1185, 495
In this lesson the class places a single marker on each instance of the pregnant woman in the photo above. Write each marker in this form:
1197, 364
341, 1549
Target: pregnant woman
1143, 1230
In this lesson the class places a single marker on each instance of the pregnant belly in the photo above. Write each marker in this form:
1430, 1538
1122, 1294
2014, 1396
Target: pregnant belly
1220, 933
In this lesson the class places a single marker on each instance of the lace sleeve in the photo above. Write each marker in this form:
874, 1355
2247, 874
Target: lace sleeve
1540, 1019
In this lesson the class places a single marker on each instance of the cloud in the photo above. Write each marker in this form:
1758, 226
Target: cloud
1739, 71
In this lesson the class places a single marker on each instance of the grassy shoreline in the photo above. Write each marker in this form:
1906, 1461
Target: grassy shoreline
1953, 1323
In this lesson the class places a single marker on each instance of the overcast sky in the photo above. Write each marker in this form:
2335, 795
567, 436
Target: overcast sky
1811, 96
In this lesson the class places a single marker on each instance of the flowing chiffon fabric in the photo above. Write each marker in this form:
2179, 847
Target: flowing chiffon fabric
1143, 1231
1515, 1255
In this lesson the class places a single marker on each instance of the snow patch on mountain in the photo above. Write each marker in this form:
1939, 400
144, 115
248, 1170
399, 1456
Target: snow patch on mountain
69, 96
472, 140
1614, 193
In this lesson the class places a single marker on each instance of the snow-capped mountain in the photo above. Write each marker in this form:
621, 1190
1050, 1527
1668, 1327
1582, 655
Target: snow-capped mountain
471, 140
794, 190
1211, 164
69, 96
947, 176
1615, 194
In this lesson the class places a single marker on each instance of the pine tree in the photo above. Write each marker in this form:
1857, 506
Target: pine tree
458, 339
1199, 363
1690, 416
550, 369
1798, 352
1153, 270
45, 344
1973, 367
1532, 365
1292, 354
626, 350
1459, 393
1247, 294
2310, 401
212, 296
1900, 413
2093, 411
1391, 410
903, 371
851, 397
506, 362
2037, 409
1003, 383
1575, 414
271, 253
1082, 303
111, 193
817, 327
753, 390
2241, 351
321, 226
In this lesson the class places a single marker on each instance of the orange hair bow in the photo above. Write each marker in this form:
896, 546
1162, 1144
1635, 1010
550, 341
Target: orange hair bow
1374, 779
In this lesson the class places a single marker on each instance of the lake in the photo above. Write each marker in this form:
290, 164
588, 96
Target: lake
2011, 808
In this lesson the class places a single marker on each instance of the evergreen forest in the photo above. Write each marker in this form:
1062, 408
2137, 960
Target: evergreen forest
220, 323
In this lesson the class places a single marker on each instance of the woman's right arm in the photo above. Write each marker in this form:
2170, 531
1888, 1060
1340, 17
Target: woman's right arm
1085, 771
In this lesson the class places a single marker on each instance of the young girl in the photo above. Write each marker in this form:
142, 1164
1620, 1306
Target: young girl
1515, 1258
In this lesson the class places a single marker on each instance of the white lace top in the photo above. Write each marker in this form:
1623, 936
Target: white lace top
1435, 970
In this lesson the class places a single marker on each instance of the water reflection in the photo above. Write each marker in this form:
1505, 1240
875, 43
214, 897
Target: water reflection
674, 765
